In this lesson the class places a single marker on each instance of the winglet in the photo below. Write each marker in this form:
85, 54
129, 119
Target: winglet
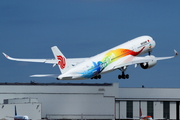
176, 53
5, 55
8, 57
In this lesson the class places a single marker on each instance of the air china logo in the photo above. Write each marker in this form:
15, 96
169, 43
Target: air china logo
145, 42
61, 62
148, 42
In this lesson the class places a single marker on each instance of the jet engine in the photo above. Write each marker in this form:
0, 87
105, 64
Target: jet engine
149, 64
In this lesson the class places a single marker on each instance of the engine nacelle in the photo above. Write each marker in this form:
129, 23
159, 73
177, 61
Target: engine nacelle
149, 64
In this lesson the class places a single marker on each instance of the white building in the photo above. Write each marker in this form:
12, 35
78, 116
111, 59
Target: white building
88, 101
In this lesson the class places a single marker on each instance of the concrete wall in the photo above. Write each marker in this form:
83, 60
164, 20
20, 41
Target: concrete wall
149, 93
158, 109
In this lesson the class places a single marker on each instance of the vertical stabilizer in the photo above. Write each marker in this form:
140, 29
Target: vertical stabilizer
62, 62
15, 111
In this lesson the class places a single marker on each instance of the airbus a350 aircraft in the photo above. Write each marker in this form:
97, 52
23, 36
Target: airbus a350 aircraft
119, 57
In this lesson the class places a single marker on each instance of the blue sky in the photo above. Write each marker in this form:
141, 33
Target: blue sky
83, 28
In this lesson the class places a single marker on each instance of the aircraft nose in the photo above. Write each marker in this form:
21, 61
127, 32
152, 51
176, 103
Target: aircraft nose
153, 43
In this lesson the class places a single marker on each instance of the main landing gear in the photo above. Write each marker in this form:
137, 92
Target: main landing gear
96, 77
123, 76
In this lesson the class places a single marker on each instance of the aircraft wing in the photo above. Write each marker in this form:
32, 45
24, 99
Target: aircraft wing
51, 61
74, 61
139, 60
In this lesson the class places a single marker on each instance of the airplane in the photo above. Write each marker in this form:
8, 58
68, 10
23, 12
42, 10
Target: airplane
19, 117
119, 57
144, 117
141, 117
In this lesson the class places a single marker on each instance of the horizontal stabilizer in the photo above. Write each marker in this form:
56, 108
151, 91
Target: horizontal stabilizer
45, 75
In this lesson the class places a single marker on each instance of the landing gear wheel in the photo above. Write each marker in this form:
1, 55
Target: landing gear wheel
127, 76
119, 76
124, 76
99, 76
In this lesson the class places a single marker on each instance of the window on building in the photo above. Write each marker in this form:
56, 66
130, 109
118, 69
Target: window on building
129, 109
150, 108
166, 110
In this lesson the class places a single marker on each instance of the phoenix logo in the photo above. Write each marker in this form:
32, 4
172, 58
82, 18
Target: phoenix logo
61, 62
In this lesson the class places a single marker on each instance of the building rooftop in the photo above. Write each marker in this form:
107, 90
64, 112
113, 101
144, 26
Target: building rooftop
59, 84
